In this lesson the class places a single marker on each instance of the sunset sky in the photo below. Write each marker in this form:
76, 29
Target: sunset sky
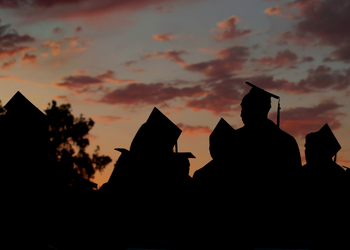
113, 61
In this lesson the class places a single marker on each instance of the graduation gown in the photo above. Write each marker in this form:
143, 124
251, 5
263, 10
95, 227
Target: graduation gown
268, 161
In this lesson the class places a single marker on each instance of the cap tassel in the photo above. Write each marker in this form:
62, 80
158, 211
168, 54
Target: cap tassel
278, 113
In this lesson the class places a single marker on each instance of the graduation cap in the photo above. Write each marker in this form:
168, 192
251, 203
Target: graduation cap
263, 97
158, 134
219, 138
324, 140
20, 106
328, 140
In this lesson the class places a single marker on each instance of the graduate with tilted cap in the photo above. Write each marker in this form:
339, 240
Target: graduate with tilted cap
150, 187
156, 140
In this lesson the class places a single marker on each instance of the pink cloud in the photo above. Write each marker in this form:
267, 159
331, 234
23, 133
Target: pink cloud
229, 29
172, 55
194, 130
164, 37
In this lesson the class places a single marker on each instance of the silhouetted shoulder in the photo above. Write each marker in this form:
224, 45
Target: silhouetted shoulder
205, 171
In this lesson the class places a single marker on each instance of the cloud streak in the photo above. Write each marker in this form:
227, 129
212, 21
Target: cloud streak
151, 94
194, 130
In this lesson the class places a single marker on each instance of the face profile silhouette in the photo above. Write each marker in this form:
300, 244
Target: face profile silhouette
256, 105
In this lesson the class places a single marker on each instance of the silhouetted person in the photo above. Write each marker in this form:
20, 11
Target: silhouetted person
22, 158
269, 160
213, 185
148, 191
324, 193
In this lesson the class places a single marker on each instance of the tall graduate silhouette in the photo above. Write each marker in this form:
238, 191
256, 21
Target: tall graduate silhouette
149, 189
269, 159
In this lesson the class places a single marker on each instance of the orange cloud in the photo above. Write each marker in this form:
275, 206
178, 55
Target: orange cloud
276, 10
194, 130
164, 37
229, 29
8, 64
21, 80
28, 58
109, 119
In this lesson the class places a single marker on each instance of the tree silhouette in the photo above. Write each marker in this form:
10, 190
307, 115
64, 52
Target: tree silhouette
67, 134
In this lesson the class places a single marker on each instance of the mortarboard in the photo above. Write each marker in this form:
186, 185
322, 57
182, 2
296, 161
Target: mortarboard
262, 96
21, 107
219, 137
157, 134
328, 140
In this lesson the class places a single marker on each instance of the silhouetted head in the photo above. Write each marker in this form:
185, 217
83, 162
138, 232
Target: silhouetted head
255, 106
321, 146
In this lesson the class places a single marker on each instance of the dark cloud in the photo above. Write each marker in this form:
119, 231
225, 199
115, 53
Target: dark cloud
307, 59
323, 77
226, 63
46, 9
283, 58
78, 29
10, 40
229, 29
194, 130
300, 121
342, 54
321, 22
77, 82
154, 93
